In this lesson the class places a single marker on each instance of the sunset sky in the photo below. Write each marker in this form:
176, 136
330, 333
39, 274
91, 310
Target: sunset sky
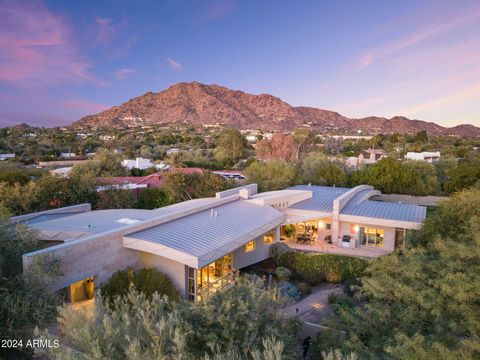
61, 60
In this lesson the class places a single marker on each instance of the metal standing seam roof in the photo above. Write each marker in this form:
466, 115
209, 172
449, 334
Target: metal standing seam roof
386, 210
322, 197
201, 234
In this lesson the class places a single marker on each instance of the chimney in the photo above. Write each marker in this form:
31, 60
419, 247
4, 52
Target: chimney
244, 193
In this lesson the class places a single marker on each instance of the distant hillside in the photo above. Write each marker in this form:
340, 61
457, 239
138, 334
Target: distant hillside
198, 104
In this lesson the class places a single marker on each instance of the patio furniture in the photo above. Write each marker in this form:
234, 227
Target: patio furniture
328, 239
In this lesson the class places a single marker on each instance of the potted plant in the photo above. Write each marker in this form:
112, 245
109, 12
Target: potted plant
89, 288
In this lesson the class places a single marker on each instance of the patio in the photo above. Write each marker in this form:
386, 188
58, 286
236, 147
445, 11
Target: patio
323, 247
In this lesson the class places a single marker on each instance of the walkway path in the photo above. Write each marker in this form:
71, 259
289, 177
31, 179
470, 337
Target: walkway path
314, 304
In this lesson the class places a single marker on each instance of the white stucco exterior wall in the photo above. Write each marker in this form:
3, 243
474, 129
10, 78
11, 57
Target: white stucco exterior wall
174, 270
242, 259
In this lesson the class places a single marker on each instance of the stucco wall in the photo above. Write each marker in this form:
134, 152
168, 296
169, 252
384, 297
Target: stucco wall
101, 258
175, 270
242, 259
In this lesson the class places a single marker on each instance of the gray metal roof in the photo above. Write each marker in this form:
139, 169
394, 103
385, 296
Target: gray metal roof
386, 210
201, 233
45, 217
92, 222
98, 221
322, 197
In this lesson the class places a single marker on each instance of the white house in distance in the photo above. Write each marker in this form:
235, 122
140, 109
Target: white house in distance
137, 163
6, 156
199, 243
423, 156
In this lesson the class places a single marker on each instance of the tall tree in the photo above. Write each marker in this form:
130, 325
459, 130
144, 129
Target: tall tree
422, 302
271, 175
230, 146
279, 147
319, 170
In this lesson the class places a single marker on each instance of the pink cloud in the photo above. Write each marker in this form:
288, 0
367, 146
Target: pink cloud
37, 45
174, 64
418, 36
84, 106
221, 8
124, 73
106, 31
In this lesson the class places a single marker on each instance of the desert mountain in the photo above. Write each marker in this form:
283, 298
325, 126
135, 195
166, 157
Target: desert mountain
199, 105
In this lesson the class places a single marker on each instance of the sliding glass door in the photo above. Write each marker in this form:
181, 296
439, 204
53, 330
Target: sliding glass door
370, 236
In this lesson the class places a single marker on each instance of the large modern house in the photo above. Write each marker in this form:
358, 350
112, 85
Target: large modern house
199, 243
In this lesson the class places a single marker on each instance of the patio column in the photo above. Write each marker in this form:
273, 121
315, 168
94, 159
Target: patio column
336, 232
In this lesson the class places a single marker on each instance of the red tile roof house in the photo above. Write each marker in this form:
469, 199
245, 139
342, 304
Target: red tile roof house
137, 183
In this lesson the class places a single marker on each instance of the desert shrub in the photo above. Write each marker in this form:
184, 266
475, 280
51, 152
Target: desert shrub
277, 250
327, 340
315, 268
282, 273
351, 286
332, 298
288, 290
146, 281
304, 288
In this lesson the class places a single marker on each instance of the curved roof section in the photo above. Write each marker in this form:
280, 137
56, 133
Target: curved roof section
322, 197
200, 234
385, 210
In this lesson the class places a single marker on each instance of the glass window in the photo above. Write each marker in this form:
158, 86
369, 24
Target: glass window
328, 226
372, 235
362, 236
250, 246
380, 234
399, 237
268, 238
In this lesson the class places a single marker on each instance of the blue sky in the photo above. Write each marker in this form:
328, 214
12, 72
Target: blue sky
61, 60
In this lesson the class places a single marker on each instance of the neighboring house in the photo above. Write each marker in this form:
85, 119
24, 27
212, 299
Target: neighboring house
366, 157
423, 156
371, 156
231, 174
137, 163
130, 182
62, 172
106, 137
6, 156
199, 243
172, 151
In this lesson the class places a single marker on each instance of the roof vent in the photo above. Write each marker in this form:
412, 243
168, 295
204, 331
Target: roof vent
127, 221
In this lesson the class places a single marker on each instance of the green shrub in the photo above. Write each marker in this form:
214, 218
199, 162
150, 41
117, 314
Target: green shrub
344, 300
288, 290
304, 288
282, 273
277, 250
146, 281
351, 286
315, 268
332, 298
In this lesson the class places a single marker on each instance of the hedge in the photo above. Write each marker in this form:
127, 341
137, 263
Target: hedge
145, 280
315, 268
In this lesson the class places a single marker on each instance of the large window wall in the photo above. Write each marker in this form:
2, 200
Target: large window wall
210, 278
371, 236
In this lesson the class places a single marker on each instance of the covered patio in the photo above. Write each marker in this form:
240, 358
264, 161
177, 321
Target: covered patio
321, 246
